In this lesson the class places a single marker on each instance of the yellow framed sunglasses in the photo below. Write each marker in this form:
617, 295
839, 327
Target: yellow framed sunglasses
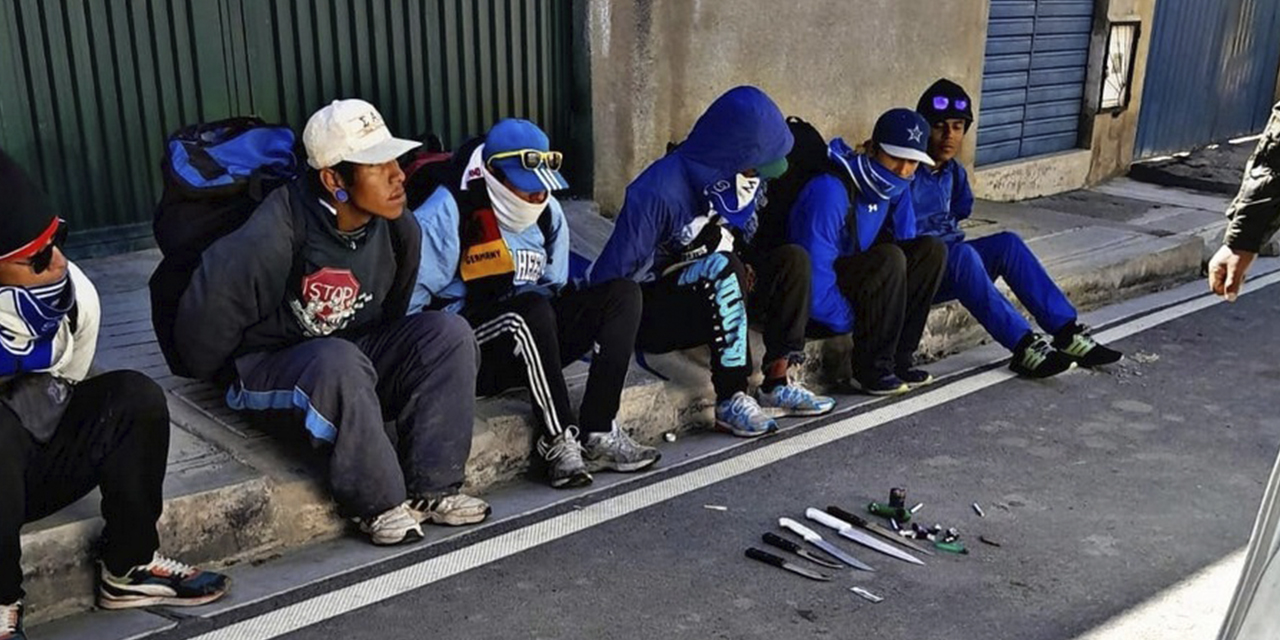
531, 159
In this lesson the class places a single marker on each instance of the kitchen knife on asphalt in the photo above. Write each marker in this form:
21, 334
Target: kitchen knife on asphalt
816, 540
775, 540
769, 558
859, 536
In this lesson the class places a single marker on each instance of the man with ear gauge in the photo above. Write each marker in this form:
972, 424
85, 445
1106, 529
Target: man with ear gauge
63, 433
307, 303
495, 249
682, 226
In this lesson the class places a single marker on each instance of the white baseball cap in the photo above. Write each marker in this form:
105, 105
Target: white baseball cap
351, 131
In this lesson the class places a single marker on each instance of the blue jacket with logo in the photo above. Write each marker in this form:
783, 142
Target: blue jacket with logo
820, 221
542, 263
741, 130
942, 199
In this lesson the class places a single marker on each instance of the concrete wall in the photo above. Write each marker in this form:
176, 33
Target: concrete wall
656, 64
1113, 136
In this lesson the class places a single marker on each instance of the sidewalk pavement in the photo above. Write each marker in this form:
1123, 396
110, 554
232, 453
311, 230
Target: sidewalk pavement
233, 495
1216, 168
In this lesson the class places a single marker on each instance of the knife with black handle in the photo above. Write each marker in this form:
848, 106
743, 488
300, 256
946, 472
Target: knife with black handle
775, 540
856, 521
769, 558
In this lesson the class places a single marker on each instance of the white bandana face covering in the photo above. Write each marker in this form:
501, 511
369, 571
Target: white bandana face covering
513, 212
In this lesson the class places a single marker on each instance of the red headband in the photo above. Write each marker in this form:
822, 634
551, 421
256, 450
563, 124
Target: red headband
33, 247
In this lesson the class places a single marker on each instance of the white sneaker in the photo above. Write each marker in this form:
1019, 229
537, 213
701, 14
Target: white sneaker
455, 509
564, 459
393, 526
616, 451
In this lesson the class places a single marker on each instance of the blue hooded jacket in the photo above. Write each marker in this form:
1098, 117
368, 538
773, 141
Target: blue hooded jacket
942, 199
819, 222
743, 129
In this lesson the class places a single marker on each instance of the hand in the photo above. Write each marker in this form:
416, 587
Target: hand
1226, 271
751, 277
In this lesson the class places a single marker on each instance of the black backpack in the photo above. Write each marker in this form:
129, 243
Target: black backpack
214, 175
808, 159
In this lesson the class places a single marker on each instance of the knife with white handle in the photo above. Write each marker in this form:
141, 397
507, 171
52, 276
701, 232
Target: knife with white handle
816, 540
861, 537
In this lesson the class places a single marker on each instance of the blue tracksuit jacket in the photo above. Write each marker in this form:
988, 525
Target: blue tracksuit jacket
820, 222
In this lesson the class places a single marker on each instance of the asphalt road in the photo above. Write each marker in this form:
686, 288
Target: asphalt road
1103, 488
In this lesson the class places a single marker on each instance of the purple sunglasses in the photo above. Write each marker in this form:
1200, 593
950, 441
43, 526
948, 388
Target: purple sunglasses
942, 102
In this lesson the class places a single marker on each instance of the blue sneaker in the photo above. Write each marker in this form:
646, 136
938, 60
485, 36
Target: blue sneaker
792, 399
882, 384
742, 416
159, 582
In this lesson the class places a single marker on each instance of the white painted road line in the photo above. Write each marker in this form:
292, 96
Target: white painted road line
345, 600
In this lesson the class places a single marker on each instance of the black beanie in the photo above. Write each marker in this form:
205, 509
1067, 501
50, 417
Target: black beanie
955, 96
26, 219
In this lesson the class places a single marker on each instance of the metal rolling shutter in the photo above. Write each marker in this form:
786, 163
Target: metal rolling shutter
1033, 77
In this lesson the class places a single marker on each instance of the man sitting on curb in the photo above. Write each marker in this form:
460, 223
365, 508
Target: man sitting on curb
872, 275
322, 332
942, 199
495, 248
674, 238
61, 435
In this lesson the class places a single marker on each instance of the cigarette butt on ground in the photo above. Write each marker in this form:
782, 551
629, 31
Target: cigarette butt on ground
715, 507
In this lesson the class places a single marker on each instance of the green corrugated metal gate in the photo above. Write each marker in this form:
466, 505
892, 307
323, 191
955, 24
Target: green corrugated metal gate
89, 89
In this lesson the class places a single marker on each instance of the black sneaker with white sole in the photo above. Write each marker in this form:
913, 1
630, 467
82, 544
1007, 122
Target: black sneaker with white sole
159, 582
1035, 357
1077, 341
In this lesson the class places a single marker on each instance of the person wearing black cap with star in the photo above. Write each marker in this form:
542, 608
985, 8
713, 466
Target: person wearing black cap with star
942, 199
63, 433
873, 276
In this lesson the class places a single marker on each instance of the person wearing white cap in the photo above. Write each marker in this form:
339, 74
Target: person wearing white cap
873, 276
496, 250
307, 302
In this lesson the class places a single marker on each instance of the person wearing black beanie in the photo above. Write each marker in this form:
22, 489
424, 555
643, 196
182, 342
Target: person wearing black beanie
942, 199
61, 433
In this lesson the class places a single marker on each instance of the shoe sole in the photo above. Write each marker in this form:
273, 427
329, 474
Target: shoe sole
724, 427
458, 520
116, 604
572, 482
798, 413
885, 392
626, 467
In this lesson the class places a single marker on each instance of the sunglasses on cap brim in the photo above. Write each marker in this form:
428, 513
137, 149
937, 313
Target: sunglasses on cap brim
943, 102
531, 159
39, 261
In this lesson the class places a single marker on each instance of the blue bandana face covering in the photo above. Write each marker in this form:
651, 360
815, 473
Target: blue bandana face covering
30, 319
873, 179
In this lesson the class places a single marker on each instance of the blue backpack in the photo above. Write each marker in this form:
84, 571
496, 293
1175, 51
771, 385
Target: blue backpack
215, 175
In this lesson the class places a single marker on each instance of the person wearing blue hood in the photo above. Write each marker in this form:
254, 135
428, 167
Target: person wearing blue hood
872, 276
942, 199
680, 230
495, 249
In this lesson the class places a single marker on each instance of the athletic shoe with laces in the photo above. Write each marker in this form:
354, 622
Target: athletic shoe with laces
793, 399
563, 454
396, 525
11, 622
879, 384
616, 451
914, 377
1076, 340
160, 582
455, 509
1035, 357
742, 416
